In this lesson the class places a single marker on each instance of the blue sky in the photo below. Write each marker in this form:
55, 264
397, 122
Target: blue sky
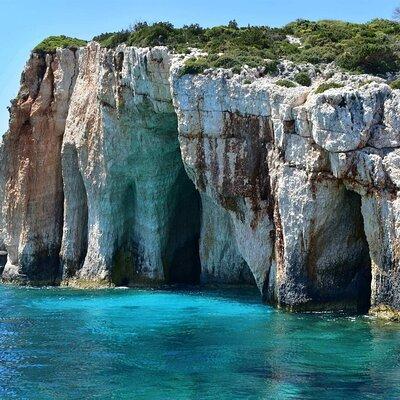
24, 23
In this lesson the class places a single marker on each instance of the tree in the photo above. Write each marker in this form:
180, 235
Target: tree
137, 26
233, 24
396, 14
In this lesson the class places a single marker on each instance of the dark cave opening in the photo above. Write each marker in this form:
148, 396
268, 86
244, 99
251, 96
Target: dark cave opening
363, 276
3, 259
338, 261
82, 216
364, 289
182, 260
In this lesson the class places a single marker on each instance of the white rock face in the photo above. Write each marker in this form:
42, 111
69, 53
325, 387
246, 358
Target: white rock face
343, 119
296, 191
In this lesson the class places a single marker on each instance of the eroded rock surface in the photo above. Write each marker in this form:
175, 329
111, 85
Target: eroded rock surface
117, 170
31, 169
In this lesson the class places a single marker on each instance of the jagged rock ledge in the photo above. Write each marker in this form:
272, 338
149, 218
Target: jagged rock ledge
116, 170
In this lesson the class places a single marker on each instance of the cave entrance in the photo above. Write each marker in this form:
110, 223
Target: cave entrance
338, 261
158, 236
181, 259
360, 286
3, 259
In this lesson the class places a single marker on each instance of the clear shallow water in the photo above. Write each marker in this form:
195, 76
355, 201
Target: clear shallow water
148, 344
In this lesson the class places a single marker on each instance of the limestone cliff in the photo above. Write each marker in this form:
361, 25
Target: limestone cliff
118, 170
130, 211
32, 207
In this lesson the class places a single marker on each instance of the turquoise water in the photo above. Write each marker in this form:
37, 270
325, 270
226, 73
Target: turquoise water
153, 344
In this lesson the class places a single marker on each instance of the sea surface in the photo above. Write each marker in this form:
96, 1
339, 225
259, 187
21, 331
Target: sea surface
187, 344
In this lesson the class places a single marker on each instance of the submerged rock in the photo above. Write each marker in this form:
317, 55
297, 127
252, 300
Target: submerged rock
118, 170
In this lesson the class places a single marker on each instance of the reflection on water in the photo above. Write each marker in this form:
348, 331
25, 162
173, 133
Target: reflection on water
149, 344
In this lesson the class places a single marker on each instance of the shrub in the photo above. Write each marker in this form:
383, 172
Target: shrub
226, 61
326, 86
194, 66
369, 48
52, 43
318, 54
285, 83
157, 34
247, 82
271, 67
303, 79
112, 40
395, 84
366, 55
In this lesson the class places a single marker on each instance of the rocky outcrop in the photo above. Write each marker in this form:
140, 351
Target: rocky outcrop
131, 213
31, 168
118, 171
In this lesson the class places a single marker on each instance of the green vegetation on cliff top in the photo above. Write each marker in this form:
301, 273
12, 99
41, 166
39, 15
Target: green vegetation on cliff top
395, 84
373, 47
285, 83
326, 86
50, 44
